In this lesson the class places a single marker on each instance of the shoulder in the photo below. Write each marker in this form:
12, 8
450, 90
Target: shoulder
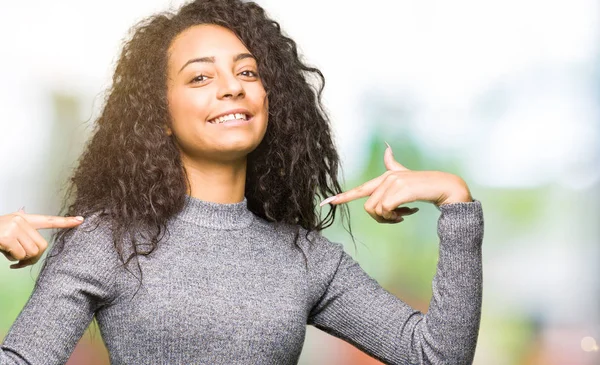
92, 240
83, 257
95, 228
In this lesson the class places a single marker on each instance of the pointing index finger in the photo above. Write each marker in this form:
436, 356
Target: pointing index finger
360, 191
39, 221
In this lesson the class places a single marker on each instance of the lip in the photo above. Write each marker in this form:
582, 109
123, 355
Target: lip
232, 111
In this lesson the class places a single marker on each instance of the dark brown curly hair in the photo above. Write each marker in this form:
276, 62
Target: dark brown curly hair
131, 172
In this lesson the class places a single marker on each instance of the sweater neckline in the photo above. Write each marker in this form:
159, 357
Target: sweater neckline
216, 215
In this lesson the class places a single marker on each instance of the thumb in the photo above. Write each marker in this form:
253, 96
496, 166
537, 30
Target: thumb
390, 163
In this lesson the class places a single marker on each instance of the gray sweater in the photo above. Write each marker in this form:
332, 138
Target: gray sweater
227, 287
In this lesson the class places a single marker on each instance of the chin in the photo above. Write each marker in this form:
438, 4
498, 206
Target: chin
237, 149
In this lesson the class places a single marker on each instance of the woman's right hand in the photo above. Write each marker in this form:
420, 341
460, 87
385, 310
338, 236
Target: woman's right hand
20, 240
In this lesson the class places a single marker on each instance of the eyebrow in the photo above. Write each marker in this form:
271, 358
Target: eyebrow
211, 59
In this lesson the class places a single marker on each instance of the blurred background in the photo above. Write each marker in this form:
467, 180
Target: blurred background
504, 93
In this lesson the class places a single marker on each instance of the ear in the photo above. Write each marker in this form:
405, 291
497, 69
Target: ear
168, 131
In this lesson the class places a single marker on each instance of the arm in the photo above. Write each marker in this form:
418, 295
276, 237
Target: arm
354, 307
72, 285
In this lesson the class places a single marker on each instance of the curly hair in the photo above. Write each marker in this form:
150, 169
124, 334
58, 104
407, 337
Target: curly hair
131, 172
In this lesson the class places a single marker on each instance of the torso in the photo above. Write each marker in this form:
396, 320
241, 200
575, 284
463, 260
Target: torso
209, 295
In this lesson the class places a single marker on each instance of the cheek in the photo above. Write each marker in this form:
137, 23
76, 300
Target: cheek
187, 105
262, 103
267, 105
261, 98
266, 109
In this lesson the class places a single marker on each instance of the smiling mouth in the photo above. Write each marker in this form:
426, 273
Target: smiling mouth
229, 117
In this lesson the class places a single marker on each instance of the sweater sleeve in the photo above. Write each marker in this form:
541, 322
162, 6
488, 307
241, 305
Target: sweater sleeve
72, 285
354, 307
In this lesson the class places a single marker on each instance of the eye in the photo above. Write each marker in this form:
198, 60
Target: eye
249, 73
199, 78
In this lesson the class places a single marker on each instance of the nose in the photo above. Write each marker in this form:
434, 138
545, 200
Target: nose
230, 87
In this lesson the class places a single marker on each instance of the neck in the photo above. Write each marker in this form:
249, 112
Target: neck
216, 181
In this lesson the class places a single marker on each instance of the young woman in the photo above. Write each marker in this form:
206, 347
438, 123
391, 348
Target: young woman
201, 242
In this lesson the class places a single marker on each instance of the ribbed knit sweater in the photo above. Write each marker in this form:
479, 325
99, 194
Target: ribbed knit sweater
227, 287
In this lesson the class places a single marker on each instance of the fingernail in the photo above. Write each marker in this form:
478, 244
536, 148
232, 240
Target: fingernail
387, 144
328, 200
79, 218
22, 209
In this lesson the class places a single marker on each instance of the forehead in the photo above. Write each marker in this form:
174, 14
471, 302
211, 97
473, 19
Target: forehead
205, 40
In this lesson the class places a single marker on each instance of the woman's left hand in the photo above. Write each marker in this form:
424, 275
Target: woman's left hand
399, 185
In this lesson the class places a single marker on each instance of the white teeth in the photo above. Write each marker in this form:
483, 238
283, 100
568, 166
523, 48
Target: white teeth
225, 118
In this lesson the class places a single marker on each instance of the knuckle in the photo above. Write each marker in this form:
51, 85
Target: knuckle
387, 206
370, 207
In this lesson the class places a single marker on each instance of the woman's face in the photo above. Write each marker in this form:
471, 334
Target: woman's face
217, 102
